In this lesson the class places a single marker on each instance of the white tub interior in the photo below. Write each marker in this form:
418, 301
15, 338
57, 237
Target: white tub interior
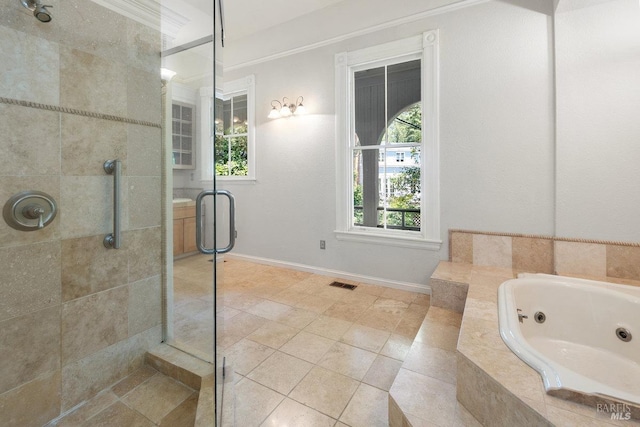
576, 347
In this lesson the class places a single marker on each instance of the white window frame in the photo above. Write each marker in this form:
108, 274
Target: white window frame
425, 47
237, 87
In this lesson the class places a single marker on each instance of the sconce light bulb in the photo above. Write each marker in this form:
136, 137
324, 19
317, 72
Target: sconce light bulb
285, 111
274, 114
300, 109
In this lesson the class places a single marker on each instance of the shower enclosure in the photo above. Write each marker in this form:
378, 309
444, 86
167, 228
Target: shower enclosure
80, 84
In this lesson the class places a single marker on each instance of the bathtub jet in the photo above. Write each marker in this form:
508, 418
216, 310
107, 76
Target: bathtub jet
577, 334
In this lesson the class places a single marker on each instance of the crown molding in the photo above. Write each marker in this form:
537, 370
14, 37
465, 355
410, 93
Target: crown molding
462, 4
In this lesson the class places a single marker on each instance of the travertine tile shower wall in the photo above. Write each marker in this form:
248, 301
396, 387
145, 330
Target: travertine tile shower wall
75, 316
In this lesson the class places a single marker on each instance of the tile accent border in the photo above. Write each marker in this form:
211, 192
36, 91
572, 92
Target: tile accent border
29, 104
546, 254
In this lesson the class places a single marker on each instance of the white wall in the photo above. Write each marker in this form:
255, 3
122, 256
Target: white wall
496, 143
598, 113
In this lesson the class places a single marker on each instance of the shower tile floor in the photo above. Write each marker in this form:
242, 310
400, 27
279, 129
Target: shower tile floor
146, 398
304, 353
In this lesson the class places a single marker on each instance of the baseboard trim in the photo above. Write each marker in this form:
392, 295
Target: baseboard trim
405, 286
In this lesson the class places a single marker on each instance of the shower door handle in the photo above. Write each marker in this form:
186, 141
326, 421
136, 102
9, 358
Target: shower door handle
232, 221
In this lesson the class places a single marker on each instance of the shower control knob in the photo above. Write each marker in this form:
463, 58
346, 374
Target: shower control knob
30, 210
34, 212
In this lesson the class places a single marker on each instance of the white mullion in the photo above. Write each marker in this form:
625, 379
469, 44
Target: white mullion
386, 142
233, 130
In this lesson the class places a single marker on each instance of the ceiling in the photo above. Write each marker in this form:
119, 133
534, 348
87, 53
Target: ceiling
193, 20
242, 17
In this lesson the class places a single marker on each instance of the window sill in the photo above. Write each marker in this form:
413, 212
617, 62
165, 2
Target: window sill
229, 180
236, 179
398, 240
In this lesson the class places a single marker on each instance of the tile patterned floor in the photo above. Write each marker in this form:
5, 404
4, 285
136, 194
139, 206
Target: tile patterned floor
304, 353
146, 398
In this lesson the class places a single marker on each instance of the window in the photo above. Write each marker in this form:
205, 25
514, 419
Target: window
231, 146
232, 131
388, 167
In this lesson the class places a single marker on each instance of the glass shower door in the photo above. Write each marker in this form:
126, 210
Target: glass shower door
198, 83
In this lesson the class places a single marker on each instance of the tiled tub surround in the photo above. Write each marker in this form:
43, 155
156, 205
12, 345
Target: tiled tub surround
492, 383
543, 254
74, 316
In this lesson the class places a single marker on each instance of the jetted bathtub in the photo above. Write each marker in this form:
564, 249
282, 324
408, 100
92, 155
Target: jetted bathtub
580, 335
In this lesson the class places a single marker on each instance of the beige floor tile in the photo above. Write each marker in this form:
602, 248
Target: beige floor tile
346, 311
306, 346
432, 361
133, 380
156, 397
254, 402
417, 308
409, 325
269, 309
423, 299
438, 335
227, 313
347, 360
365, 337
325, 391
390, 305
117, 414
246, 355
287, 296
463, 418
280, 372
328, 327
315, 303
184, 415
399, 295
292, 413
382, 372
380, 319
242, 301
243, 324
297, 318
263, 308
432, 398
415, 421
396, 347
359, 298
189, 329
444, 316
370, 289
226, 340
93, 406
369, 407
273, 334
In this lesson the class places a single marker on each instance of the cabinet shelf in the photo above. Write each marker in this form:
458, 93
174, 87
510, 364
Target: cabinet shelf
183, 135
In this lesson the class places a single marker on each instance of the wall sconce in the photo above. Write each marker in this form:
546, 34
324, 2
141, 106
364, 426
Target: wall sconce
285, 109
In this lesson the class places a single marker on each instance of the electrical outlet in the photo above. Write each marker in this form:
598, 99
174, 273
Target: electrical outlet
322, 244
